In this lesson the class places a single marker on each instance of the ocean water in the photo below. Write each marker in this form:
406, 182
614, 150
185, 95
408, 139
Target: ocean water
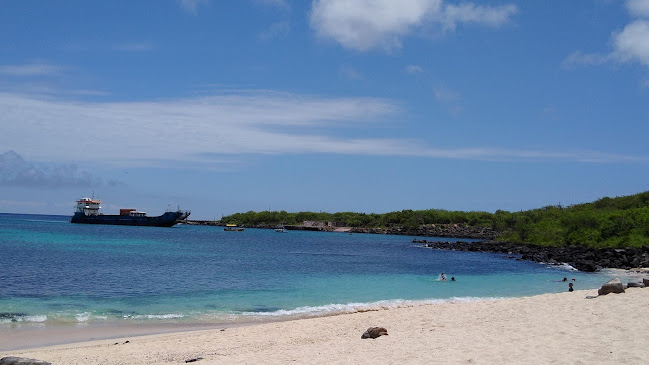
52, 271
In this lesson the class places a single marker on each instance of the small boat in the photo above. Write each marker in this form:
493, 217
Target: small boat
232, 228
280, 229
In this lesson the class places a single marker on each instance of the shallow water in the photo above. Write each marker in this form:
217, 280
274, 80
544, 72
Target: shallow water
54, 272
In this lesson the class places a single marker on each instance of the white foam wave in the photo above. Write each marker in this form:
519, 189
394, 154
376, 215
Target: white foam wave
82, 317
34, 319
566, 267
156, 316
333, 309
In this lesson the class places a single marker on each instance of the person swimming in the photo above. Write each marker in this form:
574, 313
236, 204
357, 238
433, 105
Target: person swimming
452, 278
442, 277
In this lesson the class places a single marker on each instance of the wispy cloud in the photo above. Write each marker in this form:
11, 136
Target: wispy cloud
639, 8
15, 171
449, 98
446, 95
471, 13
578, 58
367, 24
414, 69
350, 73
30, 69
198, 130
283, 4
276, 30
191, 6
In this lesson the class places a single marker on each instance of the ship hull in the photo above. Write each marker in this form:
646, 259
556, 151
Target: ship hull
168, 219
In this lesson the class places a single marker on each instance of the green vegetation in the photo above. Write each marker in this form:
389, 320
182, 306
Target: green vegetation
607, 222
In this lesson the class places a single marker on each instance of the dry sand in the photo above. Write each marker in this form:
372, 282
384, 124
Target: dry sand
563, 328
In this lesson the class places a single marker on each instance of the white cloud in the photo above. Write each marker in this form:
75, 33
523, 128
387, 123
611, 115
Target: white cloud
414, 69
629, 45
368, 24
202, 129
632, 43
639, 8
191, 6
31, 69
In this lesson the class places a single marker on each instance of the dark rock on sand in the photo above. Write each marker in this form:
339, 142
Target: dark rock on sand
12, 360
635, 285
612, 286
374, 332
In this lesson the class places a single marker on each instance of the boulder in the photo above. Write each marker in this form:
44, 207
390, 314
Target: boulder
645, 281
585, 265
612, 286
12, 360
374, 332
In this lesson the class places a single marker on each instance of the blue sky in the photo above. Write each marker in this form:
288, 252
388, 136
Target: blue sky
327, 105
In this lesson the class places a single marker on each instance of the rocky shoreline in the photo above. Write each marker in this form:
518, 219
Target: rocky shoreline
436, 230
430, 230
581, 258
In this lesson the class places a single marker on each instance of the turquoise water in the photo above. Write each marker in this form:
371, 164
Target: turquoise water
53, 271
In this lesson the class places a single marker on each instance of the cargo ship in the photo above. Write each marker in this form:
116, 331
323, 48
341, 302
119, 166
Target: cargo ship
87, 211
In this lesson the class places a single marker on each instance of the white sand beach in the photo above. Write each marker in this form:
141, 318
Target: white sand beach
564, 328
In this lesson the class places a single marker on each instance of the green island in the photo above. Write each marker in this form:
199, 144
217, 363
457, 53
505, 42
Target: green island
619, 222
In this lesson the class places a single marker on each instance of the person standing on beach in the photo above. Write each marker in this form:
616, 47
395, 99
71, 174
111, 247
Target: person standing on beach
570, 287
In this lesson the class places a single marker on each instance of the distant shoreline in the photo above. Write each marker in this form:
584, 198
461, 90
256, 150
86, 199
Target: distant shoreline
433, 230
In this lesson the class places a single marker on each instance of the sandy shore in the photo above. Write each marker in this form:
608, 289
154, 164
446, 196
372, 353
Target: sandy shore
563, 328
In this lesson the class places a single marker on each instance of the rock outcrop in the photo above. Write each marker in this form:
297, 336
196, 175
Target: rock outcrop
611, 286
581, 258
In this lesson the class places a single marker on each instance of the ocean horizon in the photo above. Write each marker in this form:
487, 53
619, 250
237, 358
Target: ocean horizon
58, 273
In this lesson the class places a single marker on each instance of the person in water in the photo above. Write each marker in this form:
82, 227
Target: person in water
452, 278
570, 287
565, 279
442, 277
